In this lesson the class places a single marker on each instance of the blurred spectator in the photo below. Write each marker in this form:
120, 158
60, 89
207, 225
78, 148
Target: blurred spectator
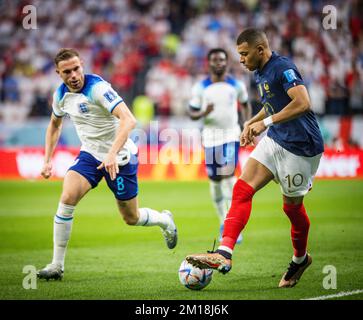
41, 105
355, 86
337, 102
10, 88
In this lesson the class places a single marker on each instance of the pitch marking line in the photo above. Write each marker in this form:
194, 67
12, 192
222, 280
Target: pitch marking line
338, 295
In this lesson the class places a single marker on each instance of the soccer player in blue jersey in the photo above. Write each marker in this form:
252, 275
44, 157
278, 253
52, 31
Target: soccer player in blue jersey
289, 154
222, 102
103, 123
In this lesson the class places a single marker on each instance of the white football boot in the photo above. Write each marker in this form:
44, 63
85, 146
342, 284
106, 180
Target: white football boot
51, 271
170, 233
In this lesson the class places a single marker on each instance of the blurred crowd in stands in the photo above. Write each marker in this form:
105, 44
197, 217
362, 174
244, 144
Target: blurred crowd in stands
156, 50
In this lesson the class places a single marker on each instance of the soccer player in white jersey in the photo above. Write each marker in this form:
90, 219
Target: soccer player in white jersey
222, 102
103, 123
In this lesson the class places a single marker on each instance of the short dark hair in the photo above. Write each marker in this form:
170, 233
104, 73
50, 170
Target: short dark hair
65, 54
251, 36
216, 50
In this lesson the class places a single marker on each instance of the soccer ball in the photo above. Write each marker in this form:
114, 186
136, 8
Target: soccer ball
193, 277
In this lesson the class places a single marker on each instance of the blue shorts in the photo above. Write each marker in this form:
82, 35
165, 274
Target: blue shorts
125, 185
221, 160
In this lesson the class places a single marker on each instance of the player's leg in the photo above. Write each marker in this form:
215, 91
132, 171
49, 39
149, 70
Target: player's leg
300, 223
215, 180
221, 162
125, 189
257, 172
75, 186
295, 174
79, 179
255, 176
230, 153
215, 189
146, 217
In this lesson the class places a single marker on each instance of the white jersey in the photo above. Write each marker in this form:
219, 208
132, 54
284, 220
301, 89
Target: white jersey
221, 125
91, 112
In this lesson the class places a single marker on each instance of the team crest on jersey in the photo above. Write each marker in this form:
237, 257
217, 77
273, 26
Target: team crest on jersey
83, 108
266, 87
110, 96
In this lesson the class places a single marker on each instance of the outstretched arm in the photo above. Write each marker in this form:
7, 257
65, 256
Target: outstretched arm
51, 139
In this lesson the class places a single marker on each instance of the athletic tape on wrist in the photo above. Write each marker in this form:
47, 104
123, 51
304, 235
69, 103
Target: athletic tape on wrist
268, 122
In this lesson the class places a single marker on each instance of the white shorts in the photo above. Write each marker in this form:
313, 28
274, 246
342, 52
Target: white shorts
294, 173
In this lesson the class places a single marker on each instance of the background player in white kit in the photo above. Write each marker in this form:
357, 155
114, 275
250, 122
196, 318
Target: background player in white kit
103, 123
223, 103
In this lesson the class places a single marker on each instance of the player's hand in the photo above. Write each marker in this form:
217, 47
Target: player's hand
46, 170
256, 128
210, 108
245, 139
111, 166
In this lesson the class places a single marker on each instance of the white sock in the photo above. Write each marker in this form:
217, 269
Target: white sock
149, 217
215, 188
63, 221
227, 185
298, 260
224, 248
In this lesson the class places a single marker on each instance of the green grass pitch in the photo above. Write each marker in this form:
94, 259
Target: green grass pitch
107, 259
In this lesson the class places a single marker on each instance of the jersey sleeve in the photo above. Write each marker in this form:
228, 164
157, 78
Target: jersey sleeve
195, 103
242, 92
289, 76
56, 105
104, 95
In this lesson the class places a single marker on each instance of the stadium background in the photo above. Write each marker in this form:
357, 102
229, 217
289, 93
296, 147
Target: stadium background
152, 52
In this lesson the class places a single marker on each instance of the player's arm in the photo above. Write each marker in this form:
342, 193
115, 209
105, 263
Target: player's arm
299, 105
196, 115
51, 139
127, 123
196, 110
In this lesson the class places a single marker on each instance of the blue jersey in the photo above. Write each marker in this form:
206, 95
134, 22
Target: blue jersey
302, 135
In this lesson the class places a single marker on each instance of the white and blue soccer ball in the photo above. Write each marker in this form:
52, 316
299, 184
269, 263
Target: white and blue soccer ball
194, 278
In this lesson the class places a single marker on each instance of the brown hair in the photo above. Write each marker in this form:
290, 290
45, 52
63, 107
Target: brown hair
65, 54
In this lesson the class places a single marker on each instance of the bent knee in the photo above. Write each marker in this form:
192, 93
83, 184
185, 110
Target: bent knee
69, 198
131, 220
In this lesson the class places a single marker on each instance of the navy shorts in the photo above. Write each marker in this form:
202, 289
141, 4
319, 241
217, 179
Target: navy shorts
223, 156
125, 185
